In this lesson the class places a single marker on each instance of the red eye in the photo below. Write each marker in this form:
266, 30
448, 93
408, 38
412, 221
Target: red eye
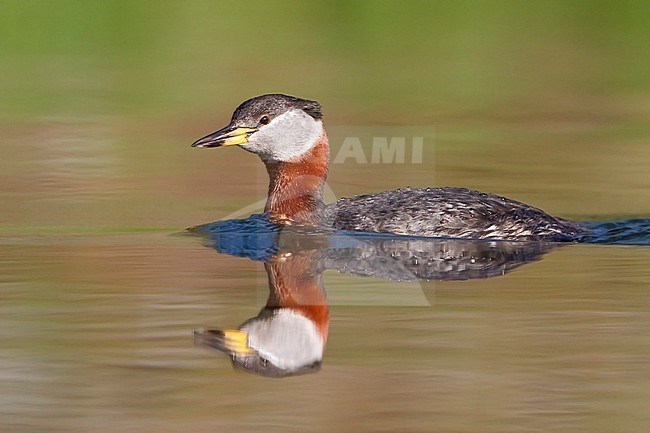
265, 120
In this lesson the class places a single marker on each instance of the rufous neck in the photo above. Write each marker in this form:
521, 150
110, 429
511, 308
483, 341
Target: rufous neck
296, 185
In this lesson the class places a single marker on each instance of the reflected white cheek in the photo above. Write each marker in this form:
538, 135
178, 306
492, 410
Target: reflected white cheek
286, 137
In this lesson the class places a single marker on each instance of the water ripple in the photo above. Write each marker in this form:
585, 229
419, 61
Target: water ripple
624, 232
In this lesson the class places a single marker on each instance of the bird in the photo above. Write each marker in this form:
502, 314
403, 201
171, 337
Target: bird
288, 135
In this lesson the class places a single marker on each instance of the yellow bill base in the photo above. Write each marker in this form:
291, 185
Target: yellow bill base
236, 136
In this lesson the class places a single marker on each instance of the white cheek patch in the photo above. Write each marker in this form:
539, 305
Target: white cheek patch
287, 136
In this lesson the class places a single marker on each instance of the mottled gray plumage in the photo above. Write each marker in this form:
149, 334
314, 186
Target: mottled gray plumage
447, 212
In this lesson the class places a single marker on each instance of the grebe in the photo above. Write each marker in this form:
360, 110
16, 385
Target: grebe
287, 134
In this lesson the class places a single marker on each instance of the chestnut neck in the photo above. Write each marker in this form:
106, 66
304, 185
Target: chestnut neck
296, 185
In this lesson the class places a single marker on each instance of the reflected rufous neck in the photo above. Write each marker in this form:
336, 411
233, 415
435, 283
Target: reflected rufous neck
296, 185
295, 284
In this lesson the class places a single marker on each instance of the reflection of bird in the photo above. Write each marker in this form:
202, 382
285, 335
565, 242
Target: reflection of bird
287, 133
408, 259
288, 336
388, 257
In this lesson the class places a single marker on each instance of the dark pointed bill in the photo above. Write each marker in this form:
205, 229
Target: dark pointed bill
228, 136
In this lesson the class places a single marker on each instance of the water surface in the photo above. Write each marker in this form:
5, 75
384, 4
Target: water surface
101, 325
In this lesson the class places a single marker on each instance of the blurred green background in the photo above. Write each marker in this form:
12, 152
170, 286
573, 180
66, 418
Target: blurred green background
156, 57
547, 93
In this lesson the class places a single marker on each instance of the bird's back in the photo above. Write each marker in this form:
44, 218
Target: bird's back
448, 212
